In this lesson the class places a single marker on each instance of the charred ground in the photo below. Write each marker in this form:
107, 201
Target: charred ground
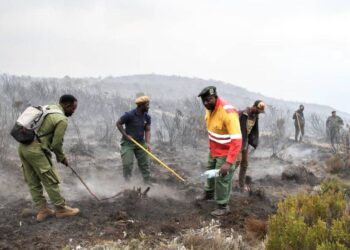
123, 218
179, 139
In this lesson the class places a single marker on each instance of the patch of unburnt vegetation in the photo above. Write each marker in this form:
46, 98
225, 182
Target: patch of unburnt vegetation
319, 221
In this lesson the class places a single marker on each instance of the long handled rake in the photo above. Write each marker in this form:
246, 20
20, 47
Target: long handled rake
159, 161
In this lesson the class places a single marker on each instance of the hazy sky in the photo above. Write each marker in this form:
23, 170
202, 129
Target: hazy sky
296, 50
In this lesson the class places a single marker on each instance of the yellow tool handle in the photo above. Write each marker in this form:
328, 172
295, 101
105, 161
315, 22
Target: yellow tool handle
159, 161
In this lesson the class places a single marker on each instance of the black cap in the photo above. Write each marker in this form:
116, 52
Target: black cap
210, 90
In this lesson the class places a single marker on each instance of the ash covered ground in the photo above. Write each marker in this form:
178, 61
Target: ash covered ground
278, 168
164, 212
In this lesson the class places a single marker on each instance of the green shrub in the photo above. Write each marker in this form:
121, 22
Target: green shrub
333, 185
331, 246
311, 221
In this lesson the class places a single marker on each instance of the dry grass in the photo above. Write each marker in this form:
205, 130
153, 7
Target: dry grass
209, 237
335, 164
256, 228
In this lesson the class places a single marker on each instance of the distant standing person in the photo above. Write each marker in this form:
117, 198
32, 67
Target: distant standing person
137, 126
37, 164
225, 142
347, 139
249, 122
299, 123
334, 124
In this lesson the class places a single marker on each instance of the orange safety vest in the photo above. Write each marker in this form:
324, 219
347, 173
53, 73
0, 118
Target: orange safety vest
224, 131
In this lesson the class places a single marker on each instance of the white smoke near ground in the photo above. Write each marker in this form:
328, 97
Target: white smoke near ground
104, 189
92, 142
108, 181
261, 164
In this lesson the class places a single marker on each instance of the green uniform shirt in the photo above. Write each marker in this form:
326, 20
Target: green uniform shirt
334, 122
54, 128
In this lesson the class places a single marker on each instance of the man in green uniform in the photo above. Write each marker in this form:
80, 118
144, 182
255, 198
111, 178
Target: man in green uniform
334, 124
38, 168
299, 123
138, 127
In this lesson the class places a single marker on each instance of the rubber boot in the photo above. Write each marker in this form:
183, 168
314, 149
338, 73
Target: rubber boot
149, 181
66, 211
205, 196
44, 213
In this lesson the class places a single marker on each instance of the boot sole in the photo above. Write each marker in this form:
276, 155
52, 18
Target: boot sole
223, 214
60, 216
219, 215
48, 216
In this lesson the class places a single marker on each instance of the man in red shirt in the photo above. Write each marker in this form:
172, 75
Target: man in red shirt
225, 142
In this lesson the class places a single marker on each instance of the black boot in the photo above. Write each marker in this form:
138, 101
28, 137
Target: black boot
205, 196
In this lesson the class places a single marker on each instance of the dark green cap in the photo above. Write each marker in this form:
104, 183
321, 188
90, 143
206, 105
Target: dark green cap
210, 90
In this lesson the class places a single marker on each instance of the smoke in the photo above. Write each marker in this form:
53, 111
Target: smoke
261, 164
108, 182
95, 142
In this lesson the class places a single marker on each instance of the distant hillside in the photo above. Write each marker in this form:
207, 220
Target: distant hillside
175, 88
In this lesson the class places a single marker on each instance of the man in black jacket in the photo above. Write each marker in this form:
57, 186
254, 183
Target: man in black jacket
249, 122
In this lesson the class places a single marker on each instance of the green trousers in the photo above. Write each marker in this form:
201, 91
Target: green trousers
39, 173
219, 186
128, 150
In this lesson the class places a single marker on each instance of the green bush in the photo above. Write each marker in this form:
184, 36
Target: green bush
311, 221
331, 246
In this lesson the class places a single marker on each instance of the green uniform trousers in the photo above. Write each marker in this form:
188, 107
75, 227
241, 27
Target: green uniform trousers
220, 186
38, 173
128, 150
